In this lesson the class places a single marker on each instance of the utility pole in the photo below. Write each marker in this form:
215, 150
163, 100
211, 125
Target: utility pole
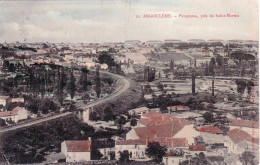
193, 83
213, 85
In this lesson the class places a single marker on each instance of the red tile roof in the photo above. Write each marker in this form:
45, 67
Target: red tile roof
132, 142
155, 131
78, 145
162, 119
4, 97
152, 114
171, 142
237, 136
245, 123
168, 154
10, 113
179, 107
168, 142
197, 148
7, 113
204, 103
210, 129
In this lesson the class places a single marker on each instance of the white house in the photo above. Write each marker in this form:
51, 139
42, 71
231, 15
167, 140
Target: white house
17, 114
85, 115
164, 131
250, 127
138, 111
239, 141
136, 148
172, 160
18, 100
156, 125
178, 108
76, 150
4, 100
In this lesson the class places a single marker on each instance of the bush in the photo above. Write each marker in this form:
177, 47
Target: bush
2, 122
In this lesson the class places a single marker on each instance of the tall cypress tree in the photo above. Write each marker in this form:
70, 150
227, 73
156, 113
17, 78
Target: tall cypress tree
98, 83
193, 84
71, 86
84, 76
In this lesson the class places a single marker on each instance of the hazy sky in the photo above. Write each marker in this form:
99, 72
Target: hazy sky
115, 20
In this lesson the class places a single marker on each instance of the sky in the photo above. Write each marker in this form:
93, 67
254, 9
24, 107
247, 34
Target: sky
115, 20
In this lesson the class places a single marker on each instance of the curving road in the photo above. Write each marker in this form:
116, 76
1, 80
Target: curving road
123, 86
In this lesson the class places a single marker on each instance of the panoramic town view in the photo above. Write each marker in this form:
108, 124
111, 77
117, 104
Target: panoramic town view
138, 101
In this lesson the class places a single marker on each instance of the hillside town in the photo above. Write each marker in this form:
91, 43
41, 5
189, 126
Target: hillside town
168, 102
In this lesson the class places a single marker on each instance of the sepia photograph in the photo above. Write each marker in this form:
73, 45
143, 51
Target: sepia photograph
129, 82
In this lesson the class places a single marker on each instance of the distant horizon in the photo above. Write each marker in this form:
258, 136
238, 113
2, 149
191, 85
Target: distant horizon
24, 42
116, 21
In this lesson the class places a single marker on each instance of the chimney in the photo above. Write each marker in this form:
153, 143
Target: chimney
90, 140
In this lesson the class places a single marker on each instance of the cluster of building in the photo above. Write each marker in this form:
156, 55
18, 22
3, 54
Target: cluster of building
179, 136
14, 115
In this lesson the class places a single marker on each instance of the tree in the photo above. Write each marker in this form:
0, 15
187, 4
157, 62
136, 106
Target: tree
156, 151
85, 98
124, 157
213, 87
206, 72
241, 55
193, 85
151, 74
108, 115
172, 66
208, 117
212, 65
106, 58
243, 70
84, 76
71, 86
200, 159
121, 121
241, 86
133, 122
145, 73
160, 86
11, 106
95, 154
219, 60
2, 122
47, 105
108, 80
249, 86
61, 83
33, 106
247, 158
98, 83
